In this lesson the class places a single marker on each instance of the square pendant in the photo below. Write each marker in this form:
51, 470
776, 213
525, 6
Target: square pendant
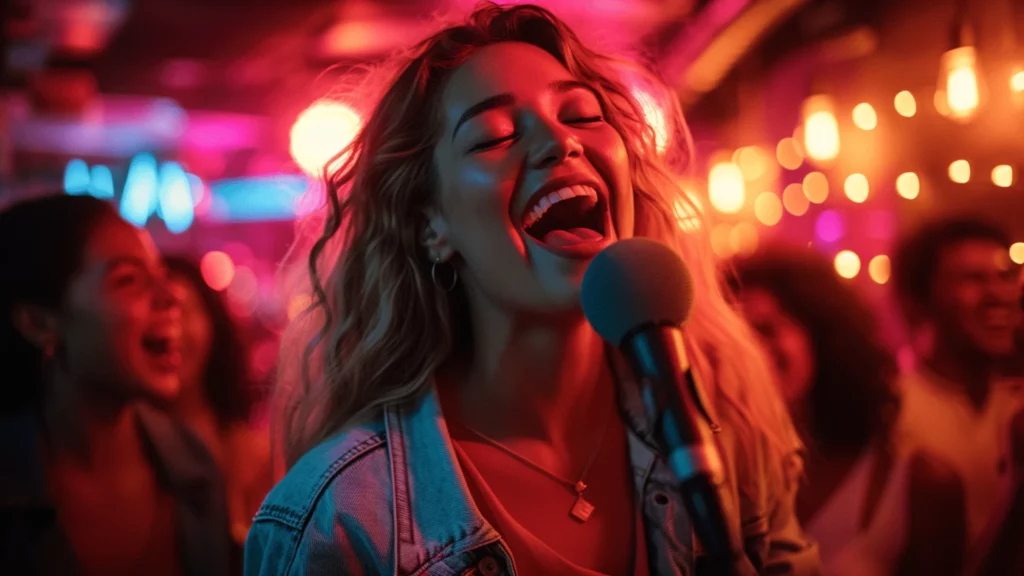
582, 509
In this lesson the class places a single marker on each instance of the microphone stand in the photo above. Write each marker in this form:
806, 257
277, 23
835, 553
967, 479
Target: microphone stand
685, 437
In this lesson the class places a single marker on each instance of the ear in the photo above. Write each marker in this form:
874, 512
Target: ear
436, 236
36, 324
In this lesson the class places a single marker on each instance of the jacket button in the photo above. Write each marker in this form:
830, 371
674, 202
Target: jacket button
488, 566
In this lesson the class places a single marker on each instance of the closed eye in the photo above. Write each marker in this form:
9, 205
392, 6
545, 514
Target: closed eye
585, 120
492, 143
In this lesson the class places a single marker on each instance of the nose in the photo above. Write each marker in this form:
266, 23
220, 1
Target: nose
554, 145
166, 298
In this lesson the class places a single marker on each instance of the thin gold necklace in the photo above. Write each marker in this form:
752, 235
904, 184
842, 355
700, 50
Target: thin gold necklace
581, 509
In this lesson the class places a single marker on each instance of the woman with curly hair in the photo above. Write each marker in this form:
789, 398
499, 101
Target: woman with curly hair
874, 503
445, 408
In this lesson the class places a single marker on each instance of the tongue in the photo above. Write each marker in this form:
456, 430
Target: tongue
571, 236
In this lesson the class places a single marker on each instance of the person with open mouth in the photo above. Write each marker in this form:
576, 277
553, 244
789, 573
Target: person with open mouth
444, 407
96, 479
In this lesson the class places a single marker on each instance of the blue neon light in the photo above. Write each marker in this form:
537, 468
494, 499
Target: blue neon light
256, 199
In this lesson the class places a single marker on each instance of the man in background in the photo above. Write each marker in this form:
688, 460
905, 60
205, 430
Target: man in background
959, 294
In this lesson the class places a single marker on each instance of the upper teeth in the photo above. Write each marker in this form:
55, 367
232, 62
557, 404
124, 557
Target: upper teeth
554, 198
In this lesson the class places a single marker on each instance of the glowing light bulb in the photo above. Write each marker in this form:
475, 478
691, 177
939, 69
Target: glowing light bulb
768, 208
1002, 176
864, 116
76, 177
847, 264
320, 133
880, 268
821, 129
959, 80
1017, 252
726, 188
908, 185
905, 104
960, 171
1017, 81
856, 187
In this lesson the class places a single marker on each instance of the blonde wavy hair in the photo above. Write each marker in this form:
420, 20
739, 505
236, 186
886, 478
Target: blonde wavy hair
377, 328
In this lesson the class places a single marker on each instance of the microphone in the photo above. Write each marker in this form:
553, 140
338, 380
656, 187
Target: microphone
637, 294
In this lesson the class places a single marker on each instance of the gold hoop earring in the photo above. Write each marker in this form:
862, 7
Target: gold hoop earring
433, 277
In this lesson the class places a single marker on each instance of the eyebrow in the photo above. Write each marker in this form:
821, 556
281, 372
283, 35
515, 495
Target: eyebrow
504, 100
125, 261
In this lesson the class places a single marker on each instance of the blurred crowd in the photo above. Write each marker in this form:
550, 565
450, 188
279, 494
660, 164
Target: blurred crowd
130, 445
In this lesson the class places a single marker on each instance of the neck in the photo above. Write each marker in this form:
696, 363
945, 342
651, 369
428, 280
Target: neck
94, 433
548, 374
963, 367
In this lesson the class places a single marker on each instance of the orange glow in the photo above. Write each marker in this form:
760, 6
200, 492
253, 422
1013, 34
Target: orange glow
864, 116
960, 81
905, 104
753, 162
743, 238
768, 208
821, 129
1017, 81
908, 185
856, 187
789, 154
847, 264
880, 268
654, 117
1002, 175
726, 188
218, 270
1017, 252
815, 187
794, 200
960, 171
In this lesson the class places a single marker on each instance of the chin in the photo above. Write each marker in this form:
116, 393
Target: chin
160, 388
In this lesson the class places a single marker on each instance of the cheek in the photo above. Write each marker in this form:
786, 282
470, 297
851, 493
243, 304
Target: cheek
476, 203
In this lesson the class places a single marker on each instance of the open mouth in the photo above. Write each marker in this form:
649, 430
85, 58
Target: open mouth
569, 215
163, 348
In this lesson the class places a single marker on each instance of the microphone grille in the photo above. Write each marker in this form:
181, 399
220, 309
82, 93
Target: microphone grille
633, 283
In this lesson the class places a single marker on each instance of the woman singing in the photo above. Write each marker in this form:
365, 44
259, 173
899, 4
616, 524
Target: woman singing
446, 409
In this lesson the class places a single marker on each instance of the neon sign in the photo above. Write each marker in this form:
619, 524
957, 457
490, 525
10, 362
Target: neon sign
149, 189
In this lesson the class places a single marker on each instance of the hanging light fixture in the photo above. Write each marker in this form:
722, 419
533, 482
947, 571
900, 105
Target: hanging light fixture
959, 80
820, 129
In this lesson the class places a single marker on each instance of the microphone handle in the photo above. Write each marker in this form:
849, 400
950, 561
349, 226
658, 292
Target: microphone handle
682, 433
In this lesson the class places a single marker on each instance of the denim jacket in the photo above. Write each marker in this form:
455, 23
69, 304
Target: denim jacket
388, 497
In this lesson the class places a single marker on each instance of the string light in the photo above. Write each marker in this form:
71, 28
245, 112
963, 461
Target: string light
726, 188
905, 104
960, 171
1017, 252
789, 154
864, 116
768, 208
821, 129
1002, 176
794, 200
880, 268
908, 185
320, 133
856, 187
1017, 81
847, 264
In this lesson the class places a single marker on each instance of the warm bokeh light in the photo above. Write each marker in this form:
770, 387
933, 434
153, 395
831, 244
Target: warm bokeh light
879, 268
1017, 81
821, 129
794, 200
847, 264
960, 171
726, 188
320, 133
856, 187
789, 154
768, 208
1002, 176
959, 79
753, 162
905, 104
864, 116
654, 116
1017, 252
720, 240
939, 100
218, 270
815, 187
908, 185
743, 239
